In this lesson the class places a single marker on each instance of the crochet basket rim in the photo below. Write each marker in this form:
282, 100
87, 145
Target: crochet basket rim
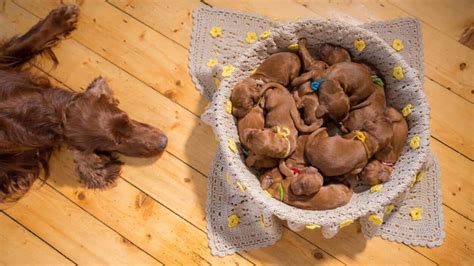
331, 219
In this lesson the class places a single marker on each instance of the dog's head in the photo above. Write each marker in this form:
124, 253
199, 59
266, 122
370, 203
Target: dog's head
332, 54
244, 96
375, 173
307, 182
93, 122
333, 102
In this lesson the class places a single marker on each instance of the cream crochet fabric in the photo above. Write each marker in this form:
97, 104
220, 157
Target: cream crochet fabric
240, 215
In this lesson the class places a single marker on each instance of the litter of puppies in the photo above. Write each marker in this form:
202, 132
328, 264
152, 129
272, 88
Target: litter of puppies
311, 125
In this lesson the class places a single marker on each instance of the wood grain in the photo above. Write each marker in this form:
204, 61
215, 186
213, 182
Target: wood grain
15, 240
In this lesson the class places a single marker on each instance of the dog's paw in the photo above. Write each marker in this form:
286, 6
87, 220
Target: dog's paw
97, 171
61, 21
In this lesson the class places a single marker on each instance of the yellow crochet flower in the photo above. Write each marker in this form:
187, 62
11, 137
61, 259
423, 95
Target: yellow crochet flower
212, 62
253, 71
398, 72
232, 145
419, 176
416, 214
251, 37
228, 106
227, 70
406, 111
241, 187
397, 44
376, 188
267, 193
262, 221
415, 142
412, 182
375, 219
265, 34
294, 47
359, 44
216, 31
345, 223
233, 220
227, 178
217, 82
312, 226
389, 208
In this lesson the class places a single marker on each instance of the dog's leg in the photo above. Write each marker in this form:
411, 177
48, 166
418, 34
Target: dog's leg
97, 170
40, 38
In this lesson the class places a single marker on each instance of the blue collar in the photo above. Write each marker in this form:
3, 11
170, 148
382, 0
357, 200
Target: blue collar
317, 83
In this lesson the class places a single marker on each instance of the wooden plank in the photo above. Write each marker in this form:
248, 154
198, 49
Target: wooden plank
458, 244
143, 52
72, 231
450, 17
451, 118
457, 184
16, 242
138, 217
455, 134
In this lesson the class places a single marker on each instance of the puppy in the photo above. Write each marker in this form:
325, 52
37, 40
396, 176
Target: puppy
371, 108
282, 122
355, 79
379, 170
244, 97
309, 62
297, 161
255, 119
333, 101
332, 54
310, 195
336, 155
279, 67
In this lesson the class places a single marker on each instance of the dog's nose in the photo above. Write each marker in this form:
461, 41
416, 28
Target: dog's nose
162, 143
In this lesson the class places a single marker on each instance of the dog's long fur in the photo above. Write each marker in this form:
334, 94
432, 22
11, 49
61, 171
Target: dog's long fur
36, 118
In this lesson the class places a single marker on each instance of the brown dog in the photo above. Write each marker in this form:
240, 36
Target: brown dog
255, 119
379, 169
371, 108
36, 118
333, 101
336, 155
278, 139
244, 97
279, 67
297, 161
326, 197
332, 54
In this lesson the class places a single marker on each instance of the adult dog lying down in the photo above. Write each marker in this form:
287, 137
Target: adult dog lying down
36, 118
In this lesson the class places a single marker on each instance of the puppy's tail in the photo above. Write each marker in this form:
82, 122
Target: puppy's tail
284, 169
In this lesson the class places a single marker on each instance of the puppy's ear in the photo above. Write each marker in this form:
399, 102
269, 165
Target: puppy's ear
97, 170
99, 88
321, 111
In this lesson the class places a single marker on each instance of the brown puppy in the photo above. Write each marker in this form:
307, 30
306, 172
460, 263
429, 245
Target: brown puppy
305, 183
336, 155
333, 54
279, 67
254, 119
309, 62
283, 121
297, 161
333, 101
379, 170
327, 197
355, 79
371, 108
260, 161
244, 97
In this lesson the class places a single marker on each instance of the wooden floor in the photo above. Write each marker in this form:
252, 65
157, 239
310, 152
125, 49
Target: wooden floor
156, 213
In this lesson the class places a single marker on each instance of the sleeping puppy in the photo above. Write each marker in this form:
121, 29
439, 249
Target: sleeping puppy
297, 161
372, 107
282, 122
355, 79
379, 169
279, 67
333, 101
337, 155
304, 96
333, 54
307, 193
244, 97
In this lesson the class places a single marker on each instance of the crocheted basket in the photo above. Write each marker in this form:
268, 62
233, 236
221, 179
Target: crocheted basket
400, 91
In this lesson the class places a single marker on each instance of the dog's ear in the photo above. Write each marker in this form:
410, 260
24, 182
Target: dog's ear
99, 88
321, 111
